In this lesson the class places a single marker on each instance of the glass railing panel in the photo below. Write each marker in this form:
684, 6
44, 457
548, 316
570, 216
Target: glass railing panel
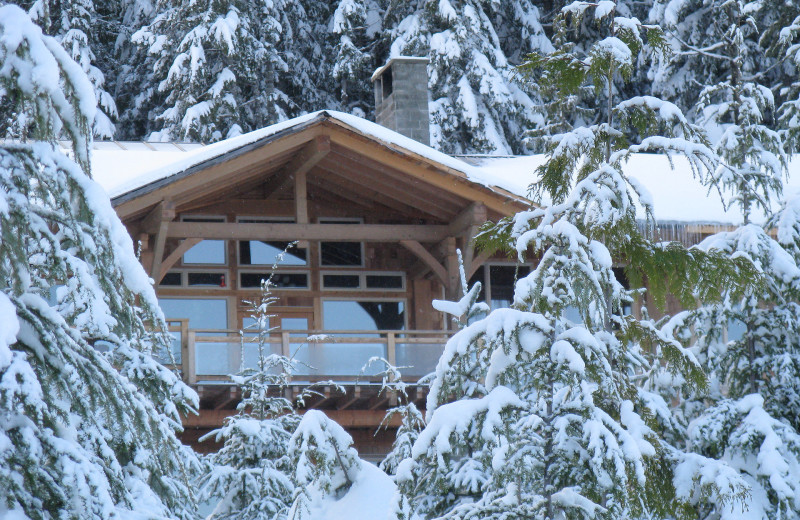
418, 359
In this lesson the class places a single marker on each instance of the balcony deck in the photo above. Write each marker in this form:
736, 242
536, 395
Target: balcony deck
336, 361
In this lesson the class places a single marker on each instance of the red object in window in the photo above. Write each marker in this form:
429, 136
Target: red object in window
222, 281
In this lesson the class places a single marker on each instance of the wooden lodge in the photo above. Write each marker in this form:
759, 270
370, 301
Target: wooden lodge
377, 216
377, 227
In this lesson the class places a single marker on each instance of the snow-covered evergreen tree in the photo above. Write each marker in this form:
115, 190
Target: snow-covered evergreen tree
353, 27
250, 475
789, 111
214, 67
560, 429
325, 462
76, 25
750, 344
720, 56
476, 105
85, 432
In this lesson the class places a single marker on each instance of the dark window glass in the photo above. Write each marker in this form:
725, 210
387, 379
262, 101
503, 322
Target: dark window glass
479, 276
171, 279
383, 281
619, 274
340, 281
254, 252
207, 279
279, 280
341, 253
502, 279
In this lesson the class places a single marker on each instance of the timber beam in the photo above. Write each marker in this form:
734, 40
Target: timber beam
157, 222
279, 231
427, 258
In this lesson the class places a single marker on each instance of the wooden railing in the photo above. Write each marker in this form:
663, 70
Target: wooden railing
212, 355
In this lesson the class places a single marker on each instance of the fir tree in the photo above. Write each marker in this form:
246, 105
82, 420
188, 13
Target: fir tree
325, 462
77, 26
250, 475
749, 343
214, 67
85, 432
353, 28
560, 429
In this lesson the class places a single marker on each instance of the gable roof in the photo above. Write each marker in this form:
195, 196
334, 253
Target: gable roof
145, 168
133, 190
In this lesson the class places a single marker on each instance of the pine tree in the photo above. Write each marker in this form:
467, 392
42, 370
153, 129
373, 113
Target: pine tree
77, 26
325, 462
250, 475
560, 428
789, 111
750, 344
353, 28
85, 432
213, 69
476, 104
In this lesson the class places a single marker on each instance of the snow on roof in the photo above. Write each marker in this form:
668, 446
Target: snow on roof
124, 167
122, 172
676, 195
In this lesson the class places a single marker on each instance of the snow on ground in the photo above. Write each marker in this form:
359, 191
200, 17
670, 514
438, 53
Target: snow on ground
369, 498
676, 195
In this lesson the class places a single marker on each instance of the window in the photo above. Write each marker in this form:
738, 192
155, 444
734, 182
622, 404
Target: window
208, 252
201, 313
341, 281
364, 281
205, 278
341, 254
257, 252
211, 358
498, 283
363, 315
280, 280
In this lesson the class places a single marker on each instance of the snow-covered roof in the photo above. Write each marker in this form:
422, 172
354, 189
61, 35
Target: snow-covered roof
676, 195
122, 168
122, 172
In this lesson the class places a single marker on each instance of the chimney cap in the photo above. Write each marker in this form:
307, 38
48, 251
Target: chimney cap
379, 72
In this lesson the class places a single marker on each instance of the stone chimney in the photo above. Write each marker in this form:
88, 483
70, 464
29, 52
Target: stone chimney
401, 97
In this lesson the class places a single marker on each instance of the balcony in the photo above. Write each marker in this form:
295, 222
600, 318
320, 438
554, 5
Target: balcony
209, 357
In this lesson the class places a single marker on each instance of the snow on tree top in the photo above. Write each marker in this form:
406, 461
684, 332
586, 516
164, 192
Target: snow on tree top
676, 195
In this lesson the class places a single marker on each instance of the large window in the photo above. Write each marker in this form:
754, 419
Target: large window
363, 315
341, 254
207, 252
498, 283
257, 252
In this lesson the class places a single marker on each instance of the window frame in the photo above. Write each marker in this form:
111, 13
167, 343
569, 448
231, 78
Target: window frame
184, 272
294, 270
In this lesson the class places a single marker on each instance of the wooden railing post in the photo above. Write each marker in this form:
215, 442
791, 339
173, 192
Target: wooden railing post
188, 361
286, 349
391, 348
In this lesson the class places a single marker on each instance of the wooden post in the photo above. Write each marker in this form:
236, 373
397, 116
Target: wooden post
451, 261
391, 348
285, 345
188, 360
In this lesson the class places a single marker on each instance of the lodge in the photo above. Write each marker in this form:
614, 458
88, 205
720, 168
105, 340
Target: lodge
368, 220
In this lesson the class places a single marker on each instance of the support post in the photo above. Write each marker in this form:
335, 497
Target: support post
188, 360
